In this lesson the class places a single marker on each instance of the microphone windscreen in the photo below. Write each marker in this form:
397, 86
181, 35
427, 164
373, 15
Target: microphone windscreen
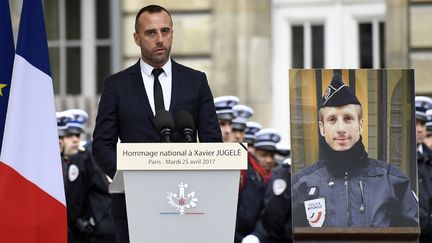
164, 119
184, 119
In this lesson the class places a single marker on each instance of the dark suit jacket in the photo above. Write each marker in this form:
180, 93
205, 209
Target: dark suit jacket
125, 113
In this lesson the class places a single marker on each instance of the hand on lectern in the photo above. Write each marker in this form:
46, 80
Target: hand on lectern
250, 239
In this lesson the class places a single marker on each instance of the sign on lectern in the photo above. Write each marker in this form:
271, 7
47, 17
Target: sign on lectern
180, 192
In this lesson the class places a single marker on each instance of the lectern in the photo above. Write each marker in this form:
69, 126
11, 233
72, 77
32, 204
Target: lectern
180, 192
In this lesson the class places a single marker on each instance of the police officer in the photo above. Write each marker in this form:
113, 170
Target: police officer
249, 137
346, 188
225, 114
274, 225
424, 164
283, 153
62, 120
253, 181
265, 148
86, 187
428, 138
81, 117
242, 114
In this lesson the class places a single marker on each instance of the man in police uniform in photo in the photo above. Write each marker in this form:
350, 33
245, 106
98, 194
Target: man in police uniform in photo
346, 188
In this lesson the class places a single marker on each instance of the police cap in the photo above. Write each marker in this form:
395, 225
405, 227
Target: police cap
224, 105
429, 120
338, 94
242, 114
422, 104
251, 129
266, 139
62, 119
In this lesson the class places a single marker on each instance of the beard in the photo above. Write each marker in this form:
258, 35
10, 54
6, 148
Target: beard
157, 58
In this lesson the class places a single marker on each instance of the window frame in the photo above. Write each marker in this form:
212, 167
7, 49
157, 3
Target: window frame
88, 44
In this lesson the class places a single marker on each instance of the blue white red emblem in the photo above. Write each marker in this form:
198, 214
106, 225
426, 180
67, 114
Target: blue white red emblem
327, 93
182, 201
315, 212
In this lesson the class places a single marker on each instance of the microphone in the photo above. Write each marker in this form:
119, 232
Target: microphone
185, 125
164, 123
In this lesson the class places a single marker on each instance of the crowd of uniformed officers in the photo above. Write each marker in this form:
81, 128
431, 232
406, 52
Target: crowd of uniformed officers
423, 115
264, 203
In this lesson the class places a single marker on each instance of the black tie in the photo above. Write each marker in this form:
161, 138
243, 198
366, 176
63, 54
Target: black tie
157, 90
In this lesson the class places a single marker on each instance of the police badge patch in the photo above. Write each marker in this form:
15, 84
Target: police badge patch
315, 212
279, 186
73, 172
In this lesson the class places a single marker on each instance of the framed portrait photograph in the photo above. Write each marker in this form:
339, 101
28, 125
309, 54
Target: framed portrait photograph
353, 148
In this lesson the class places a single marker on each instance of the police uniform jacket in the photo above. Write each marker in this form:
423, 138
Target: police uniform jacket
86, 190
251, 199
424, 163
274, 225
358, 191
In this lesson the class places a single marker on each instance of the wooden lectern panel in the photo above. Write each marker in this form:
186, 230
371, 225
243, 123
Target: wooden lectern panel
356, 235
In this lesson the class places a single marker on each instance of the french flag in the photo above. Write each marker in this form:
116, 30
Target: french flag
32, 201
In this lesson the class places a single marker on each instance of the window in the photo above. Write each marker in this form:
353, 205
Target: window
297, 47
103, 43
371, 41
317, 46
79, 42
307, 46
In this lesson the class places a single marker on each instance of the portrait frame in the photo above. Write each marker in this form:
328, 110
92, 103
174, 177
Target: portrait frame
387, 100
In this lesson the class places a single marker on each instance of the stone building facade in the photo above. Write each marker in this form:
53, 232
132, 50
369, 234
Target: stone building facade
246, 47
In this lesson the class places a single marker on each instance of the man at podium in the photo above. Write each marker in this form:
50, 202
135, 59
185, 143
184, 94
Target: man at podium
346, 188
131, 98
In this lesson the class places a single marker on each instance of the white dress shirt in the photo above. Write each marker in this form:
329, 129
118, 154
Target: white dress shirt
165, 80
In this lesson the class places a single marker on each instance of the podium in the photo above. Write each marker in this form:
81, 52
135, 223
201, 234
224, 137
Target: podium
180, 192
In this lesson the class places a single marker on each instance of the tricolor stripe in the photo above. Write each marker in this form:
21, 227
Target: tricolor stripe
317, 218
30, 143
177, 213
